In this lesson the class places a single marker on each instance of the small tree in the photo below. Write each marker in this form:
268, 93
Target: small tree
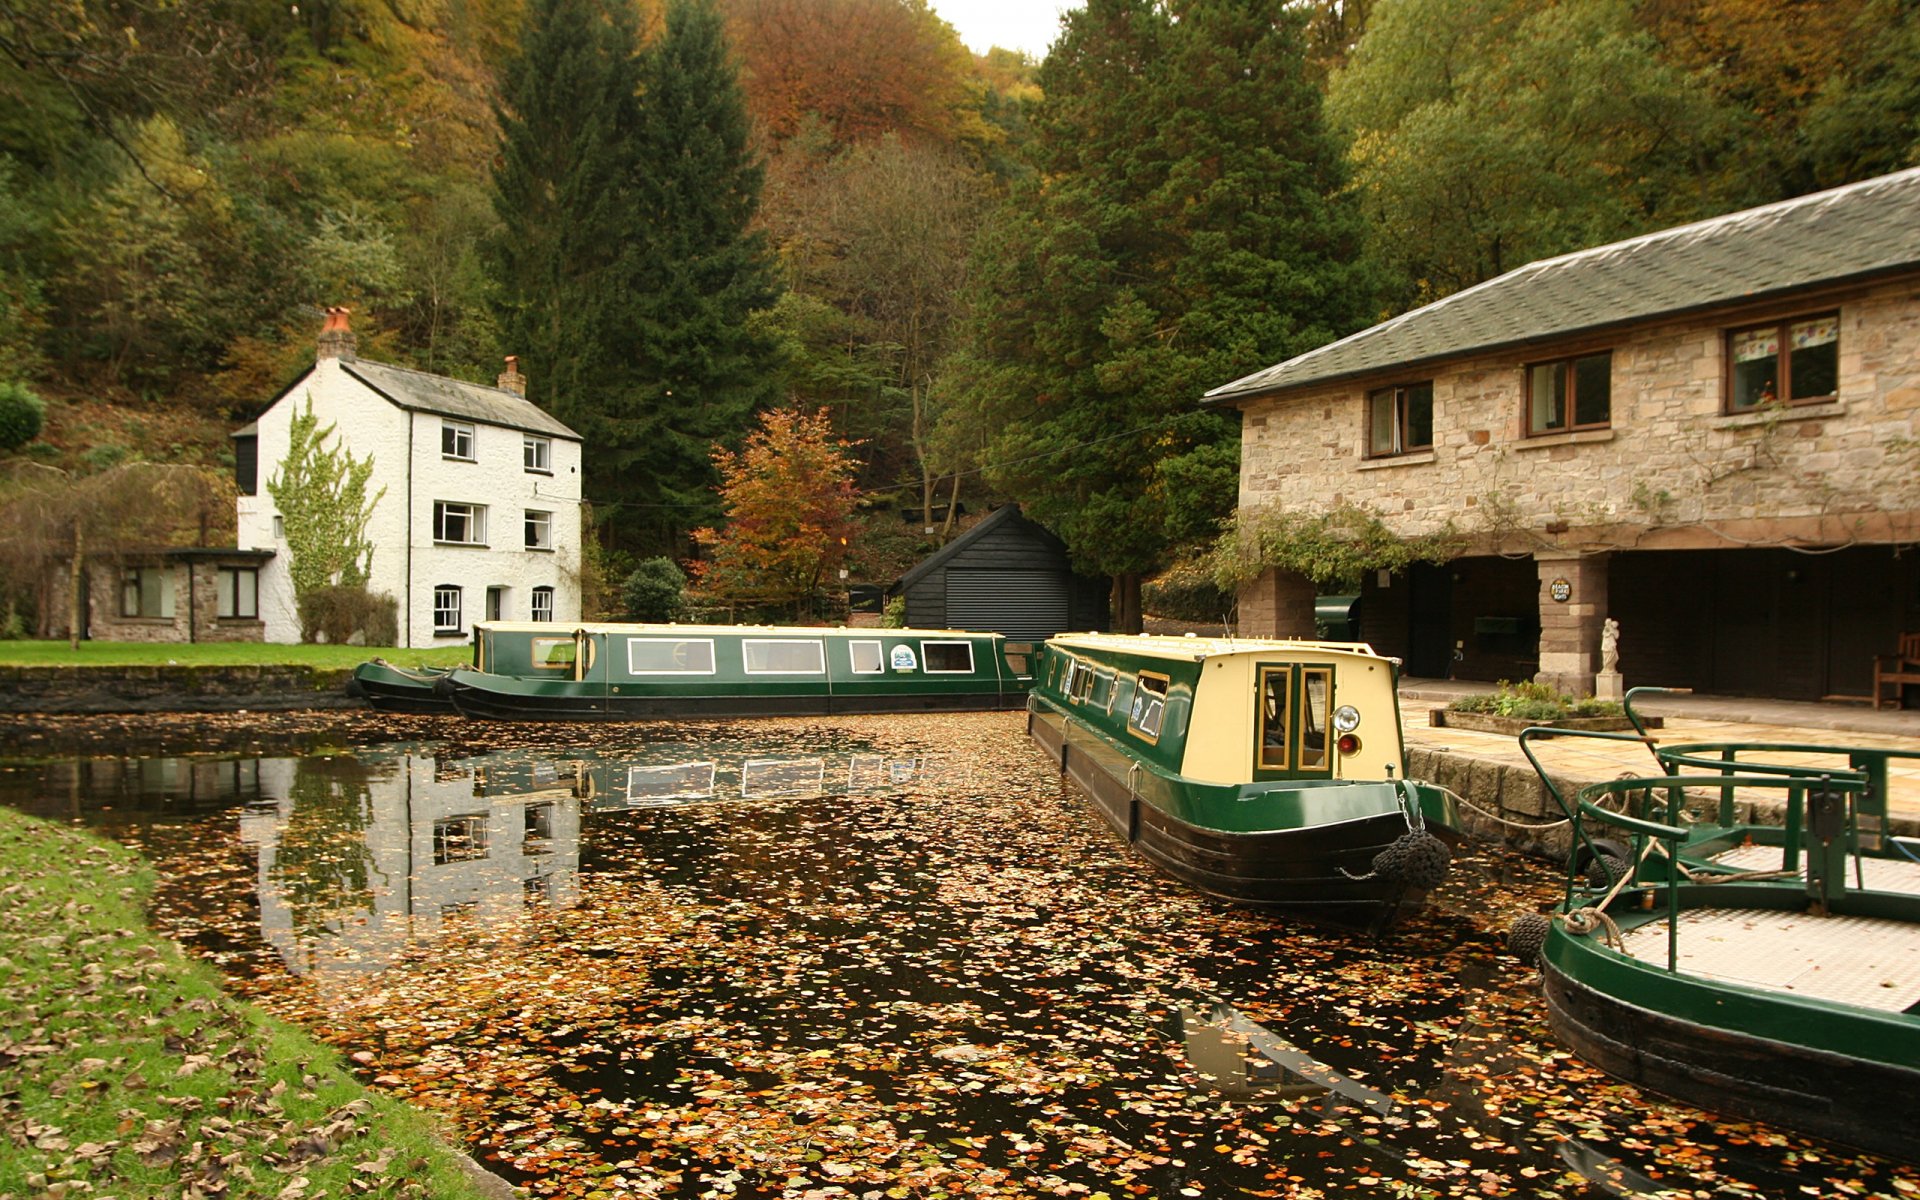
21, 415
654, 591
789, 500
321, 492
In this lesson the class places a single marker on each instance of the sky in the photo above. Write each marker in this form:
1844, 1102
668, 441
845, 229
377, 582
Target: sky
1029, 25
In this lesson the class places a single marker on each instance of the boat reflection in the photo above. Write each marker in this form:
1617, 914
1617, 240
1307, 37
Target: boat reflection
613, 784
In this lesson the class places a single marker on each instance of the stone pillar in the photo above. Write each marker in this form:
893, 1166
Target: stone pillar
1278, 604
1573, 605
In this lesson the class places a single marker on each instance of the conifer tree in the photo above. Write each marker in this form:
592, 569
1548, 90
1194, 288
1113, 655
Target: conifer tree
1177, 234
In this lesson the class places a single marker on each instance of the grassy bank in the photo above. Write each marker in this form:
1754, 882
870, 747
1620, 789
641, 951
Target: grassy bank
126, 1071
218, 654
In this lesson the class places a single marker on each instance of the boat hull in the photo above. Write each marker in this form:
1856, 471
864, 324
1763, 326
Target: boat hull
393, 689
1713, 1045
1321, 871
503, 699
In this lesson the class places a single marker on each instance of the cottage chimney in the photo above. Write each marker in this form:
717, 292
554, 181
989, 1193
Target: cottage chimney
511, 379
336, 339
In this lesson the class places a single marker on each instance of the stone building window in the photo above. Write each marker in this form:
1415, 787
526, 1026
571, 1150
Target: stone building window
146, 592
238, 592
1796, 361
1400, 420
1572, 393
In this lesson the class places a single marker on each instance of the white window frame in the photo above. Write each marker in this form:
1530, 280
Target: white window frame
879, 656
541, 608
687, 774
747, 645
446, 599
456, 441
707, 642
537, 454
926, 663
475, 516
227, 594
543, 522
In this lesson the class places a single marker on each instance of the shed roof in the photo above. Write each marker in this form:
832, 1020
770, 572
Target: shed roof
1860, 230
1005, 514
420, 391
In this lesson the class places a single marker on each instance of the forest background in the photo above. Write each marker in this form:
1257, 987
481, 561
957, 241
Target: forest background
1000, 279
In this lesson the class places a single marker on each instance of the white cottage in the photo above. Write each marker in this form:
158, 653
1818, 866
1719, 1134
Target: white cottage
480, 519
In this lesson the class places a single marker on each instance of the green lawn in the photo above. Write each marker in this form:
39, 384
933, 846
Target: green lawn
130, 1072
219, 654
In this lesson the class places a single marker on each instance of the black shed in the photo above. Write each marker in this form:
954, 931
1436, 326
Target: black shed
1005, 575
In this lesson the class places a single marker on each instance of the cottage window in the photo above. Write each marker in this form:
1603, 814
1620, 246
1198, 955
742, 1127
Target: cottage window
539, 530
238, 592
1149, 705
459, 524
456, 440
865, 658
1400, 420
669, 656
146, 592
773, 656
459, 839
1572, 393
542, 607
446, 608
1797, 362
947, 658
537, 830
538, 452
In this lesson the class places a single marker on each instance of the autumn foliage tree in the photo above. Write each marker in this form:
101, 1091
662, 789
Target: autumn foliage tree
788, 496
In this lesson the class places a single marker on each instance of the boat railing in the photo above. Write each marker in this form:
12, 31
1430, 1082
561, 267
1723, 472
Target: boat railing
1583, 848
1868, 764
1819, 813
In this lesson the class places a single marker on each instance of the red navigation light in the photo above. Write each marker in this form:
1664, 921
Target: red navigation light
1348, 743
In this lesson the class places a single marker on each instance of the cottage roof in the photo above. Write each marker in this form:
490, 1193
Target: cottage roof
420, 391
1848, 233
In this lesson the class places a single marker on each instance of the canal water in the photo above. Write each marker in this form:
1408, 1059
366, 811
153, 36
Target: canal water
876, 957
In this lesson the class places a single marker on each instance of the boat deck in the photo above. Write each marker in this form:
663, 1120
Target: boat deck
1880, 874
1868, 962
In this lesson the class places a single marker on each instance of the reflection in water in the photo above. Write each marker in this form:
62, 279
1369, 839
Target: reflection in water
1243, 1059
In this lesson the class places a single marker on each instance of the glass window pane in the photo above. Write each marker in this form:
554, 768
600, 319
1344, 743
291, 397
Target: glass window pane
1753, 382
763, 656
1813, 365
1314, 687
1381, 421
653, 656
866, 658
951, 658
1548, 388
1419, 417
1273, 718
223, 594
1593, 389
554, 652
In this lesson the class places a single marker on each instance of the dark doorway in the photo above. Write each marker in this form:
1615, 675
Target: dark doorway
1430, 621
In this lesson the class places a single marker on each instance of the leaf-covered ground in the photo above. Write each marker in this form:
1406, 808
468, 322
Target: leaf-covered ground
960, 986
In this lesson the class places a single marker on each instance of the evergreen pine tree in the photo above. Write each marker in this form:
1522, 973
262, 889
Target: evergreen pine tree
694, 277
1177, 234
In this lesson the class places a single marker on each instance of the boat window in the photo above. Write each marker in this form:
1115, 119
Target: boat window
782, 656
669, 656
555, 654
1018, 655
1103, 689
1274, 686
866, 658
783, 777
1079, 680
679, 781
1316, 684
947, 658
1149, 706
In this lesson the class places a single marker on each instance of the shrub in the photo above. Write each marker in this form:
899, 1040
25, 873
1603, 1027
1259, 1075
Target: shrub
22, 414
341, 615
1186, 591
894, 616
654, 591
1532, 701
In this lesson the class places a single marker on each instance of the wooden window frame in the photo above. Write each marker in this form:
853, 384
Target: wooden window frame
1783, 364
541, 663
133, 583
229, 577
1260, 760
1401, 402
1566, 367
1325, 765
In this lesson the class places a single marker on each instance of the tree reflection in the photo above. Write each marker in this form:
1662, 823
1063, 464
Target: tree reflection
322, 866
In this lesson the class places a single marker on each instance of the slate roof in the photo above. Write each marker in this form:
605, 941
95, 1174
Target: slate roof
1850, 232
422, 392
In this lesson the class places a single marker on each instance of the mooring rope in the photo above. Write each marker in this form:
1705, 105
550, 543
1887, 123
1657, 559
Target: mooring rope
1496, 817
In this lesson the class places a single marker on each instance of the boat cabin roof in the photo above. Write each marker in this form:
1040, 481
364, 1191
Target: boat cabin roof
562, 629
1187, 648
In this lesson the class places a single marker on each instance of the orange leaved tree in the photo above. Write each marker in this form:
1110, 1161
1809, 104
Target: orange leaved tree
789, 498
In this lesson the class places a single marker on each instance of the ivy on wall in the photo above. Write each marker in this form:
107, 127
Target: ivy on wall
1338, 546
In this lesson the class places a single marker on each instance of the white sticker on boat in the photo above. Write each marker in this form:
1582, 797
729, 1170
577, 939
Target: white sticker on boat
904, 660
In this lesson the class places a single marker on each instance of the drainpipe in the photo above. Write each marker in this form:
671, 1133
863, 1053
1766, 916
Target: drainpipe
406, 612
193, 608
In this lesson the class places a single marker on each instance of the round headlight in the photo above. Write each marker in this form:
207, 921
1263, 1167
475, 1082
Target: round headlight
1346, 719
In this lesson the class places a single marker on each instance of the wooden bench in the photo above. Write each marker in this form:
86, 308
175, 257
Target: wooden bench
1893, 672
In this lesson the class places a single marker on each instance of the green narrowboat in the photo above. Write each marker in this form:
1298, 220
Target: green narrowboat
637, 672
1785, 995
394, 688
1269, 773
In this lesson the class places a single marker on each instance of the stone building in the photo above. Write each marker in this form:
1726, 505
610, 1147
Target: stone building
479, 518
1710, 434
170, 594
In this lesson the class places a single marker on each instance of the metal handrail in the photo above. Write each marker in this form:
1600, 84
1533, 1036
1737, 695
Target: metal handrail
1580, 838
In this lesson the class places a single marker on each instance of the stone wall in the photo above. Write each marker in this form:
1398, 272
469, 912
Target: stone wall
171, 688
1672, 471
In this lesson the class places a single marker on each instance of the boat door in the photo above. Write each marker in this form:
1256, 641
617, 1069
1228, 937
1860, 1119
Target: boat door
1292, 704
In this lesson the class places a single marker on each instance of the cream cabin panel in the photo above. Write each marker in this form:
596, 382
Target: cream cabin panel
1221, 734
1367, 684
1220, 730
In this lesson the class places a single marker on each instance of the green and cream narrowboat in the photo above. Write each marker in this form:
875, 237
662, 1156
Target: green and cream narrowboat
1270, 773
635, 672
